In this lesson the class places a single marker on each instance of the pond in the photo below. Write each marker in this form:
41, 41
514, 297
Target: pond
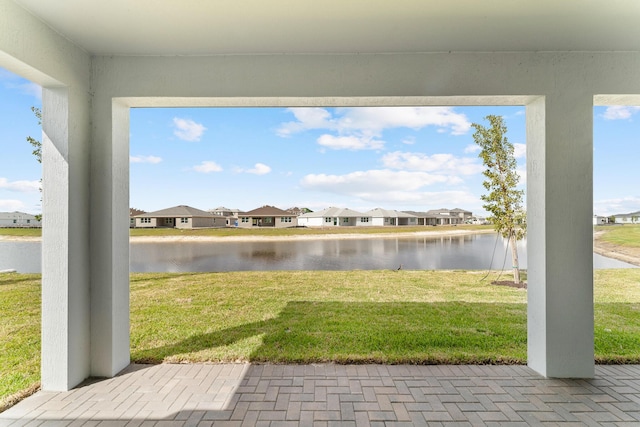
469, 252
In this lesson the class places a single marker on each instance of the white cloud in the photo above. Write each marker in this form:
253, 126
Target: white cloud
410, 140
353, 143
622, 205
19, 186
371, 121
519, 150
620, 112
9, 205
472, 148
374, 181
145, 159
13, 81
188, 130
207, 166
259, 169
441, 163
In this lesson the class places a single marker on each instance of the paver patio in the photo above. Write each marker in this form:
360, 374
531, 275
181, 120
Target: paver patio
207, 395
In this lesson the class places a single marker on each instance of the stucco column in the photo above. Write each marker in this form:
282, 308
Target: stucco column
65, 247
560, 235
109, 237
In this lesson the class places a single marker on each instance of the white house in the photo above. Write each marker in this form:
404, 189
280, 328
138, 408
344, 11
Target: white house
18, 219
384, 217
630, 218
600, 220
97, 60
334, 217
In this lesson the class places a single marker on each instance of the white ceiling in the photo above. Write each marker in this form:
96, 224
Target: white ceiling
205, 27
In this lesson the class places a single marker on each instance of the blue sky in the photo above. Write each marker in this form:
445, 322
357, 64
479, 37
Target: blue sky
361, 158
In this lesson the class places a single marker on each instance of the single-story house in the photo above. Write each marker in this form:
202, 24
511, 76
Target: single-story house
179, 217
600, 220
18, 219
630, 218
267, 216
442, 216
385, 217
334, 217
132, 216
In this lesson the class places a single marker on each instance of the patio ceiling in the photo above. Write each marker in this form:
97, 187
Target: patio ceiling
199, 27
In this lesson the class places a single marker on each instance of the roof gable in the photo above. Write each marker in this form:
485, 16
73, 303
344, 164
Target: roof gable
267, 211
177, 211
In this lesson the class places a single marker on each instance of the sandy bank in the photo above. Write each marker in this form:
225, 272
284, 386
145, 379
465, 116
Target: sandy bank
426, 234
621, 253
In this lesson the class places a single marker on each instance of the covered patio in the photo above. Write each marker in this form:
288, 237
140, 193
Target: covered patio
97, 60
344, 395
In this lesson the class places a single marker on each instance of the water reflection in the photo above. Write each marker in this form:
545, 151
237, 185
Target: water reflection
473, 252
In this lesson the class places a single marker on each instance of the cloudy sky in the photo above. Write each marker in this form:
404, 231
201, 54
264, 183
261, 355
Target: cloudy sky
395, 158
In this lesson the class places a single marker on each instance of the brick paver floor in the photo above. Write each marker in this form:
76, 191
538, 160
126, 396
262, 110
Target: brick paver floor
345, 395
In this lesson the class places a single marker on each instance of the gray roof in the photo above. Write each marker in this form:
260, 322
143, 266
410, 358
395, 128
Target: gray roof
182, 211
385, 213
334, 213
266, 211
16, 215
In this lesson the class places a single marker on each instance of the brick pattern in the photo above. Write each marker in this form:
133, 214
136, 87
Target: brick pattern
202, 395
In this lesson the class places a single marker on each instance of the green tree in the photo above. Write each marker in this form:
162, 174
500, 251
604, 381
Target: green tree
503, 200
35, 144
37, 147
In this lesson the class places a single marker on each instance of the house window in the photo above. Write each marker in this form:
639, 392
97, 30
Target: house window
364, 219
28, 221
184, 220
285, 219
15, 221
145, 220
345, 220
245, 219
168, 221
327, 220
268, 220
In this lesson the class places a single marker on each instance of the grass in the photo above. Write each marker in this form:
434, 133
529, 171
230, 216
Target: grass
343, 317
625, 235
264, 231
25, 232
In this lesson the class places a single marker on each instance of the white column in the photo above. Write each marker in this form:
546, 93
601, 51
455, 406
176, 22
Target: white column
560, 235
65, 260
110, 238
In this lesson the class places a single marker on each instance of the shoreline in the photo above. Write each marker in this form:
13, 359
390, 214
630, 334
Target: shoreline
621, 253
249, 238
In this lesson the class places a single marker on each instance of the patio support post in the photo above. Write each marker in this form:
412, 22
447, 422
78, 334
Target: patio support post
560, 235
65, 261
109, 237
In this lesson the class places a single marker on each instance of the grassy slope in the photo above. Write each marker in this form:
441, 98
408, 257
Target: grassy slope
625, 235
355, 316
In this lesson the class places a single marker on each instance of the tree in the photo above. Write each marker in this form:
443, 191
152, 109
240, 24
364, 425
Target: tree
503, 200
37, 147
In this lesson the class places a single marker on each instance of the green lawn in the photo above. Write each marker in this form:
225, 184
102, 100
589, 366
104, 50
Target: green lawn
344, 317
27, 232
264, 231
622, 235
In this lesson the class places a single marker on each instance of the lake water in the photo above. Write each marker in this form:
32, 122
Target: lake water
471, 252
